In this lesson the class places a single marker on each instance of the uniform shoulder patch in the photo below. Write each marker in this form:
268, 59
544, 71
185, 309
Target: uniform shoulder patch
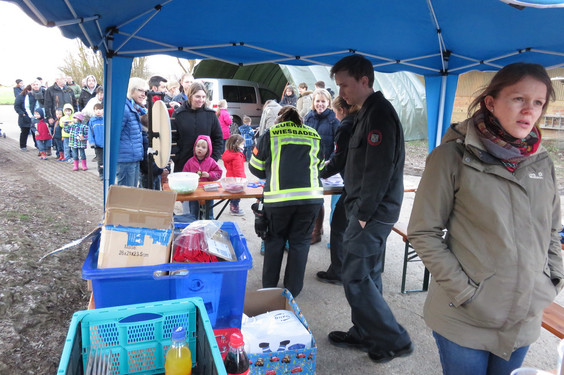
374, 138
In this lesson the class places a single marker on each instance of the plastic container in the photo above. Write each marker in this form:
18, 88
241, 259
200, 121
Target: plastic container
178, 357
137, 337
236, 361
234, 184
183, 182
221, 285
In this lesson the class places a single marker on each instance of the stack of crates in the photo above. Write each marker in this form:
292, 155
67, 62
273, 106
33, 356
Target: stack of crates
221, 285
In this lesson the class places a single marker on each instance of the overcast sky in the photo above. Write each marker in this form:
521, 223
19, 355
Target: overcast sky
29, 50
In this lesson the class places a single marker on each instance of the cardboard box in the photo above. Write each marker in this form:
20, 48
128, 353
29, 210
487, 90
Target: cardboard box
300, 361
138, 227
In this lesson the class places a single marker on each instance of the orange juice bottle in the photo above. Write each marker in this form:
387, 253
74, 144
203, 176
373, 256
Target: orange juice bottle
178, 358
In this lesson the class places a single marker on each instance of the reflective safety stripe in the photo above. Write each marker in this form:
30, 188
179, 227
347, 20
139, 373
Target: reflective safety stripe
284, 134
256, 163
292, 194
276, 148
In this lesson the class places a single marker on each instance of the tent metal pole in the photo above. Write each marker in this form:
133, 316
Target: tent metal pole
442, 99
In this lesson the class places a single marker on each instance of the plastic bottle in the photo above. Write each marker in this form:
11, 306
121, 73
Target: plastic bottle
178, 358
236, 361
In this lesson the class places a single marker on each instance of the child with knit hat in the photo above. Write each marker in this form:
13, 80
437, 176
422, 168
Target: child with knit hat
78, 140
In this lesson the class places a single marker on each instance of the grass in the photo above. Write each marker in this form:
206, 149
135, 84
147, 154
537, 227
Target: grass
6, 95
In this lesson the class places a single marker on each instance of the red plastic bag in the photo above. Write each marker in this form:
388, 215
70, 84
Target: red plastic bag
192, 244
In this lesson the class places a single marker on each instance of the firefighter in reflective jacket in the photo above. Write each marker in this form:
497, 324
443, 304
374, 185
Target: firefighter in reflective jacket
289, 156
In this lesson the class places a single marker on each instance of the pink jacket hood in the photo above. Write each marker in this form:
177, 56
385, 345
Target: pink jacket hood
208, 140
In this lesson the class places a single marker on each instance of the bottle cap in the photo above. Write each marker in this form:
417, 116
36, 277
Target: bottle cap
236, 340
178, 334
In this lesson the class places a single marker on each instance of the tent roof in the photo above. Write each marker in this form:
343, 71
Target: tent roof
428, 37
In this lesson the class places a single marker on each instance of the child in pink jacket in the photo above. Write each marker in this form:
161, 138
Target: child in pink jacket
224, 120
203, 164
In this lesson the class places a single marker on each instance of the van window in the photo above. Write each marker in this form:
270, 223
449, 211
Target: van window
239, 94
266, 94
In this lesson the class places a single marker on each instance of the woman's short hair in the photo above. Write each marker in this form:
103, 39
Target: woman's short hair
510, 75
289, 113
323, 92
222, 104
136, 83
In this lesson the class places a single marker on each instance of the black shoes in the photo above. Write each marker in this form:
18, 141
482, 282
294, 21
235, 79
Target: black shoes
324, 277
383, 356
344, 340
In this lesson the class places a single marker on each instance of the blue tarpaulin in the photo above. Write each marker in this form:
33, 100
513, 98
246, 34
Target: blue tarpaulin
438, 39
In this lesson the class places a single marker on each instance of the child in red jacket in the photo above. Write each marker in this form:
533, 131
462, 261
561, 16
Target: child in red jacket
42, 133
234, 162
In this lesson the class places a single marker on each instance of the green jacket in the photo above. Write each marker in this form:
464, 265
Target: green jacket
289, 157
500, 263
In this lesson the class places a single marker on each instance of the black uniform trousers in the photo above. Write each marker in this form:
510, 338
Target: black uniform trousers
338, 227
373, 320
295, 225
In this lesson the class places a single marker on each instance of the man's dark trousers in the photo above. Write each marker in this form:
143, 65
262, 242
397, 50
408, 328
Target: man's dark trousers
373, 321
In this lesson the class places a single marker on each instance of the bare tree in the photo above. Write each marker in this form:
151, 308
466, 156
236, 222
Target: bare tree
83, 61
190, 65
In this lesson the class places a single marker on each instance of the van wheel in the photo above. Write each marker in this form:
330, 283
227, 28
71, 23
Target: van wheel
237, 121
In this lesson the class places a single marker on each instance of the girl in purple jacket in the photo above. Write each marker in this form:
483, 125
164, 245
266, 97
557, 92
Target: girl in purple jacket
203, 164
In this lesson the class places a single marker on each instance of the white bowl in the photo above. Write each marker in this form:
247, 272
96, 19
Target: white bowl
183, 182
234, 184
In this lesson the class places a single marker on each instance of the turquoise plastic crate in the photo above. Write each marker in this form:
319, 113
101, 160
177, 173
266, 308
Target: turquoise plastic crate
137, 337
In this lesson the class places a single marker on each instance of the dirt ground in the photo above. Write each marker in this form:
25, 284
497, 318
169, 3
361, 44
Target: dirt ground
37, 299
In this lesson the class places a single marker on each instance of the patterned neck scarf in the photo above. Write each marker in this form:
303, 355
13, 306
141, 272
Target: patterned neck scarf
140, 109
499, 143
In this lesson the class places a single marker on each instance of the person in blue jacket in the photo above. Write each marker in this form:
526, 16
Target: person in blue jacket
96, 136
131, 136
323, 119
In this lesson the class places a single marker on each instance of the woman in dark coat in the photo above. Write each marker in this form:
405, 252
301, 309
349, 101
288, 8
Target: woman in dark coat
289, 98
24, 121
189, 121
88, 92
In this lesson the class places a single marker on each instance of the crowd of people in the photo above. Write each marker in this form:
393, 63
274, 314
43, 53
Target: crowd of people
485, 221
63, 118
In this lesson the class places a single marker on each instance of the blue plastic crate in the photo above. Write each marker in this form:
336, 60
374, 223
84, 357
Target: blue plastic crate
137, 337
221, 285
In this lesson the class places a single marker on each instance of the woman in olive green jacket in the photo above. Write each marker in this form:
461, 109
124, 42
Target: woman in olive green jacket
485, 222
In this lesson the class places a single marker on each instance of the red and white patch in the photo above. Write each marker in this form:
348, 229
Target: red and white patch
374, 138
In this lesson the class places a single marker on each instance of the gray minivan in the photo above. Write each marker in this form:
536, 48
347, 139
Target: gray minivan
244, 98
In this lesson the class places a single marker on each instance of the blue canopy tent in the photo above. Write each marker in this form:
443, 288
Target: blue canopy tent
438, 39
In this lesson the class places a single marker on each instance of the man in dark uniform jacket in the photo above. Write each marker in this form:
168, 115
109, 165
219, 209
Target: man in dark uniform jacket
374, 183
